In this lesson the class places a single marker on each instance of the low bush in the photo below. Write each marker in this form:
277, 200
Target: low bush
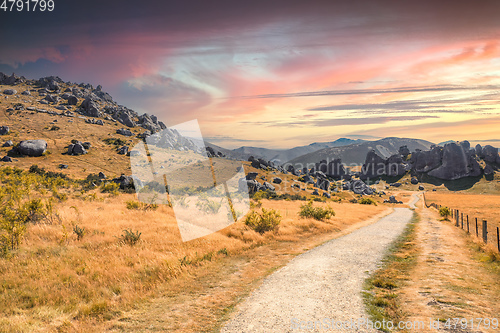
444, 212
267, 220
79, 232
308, 211
367, 201
129, 237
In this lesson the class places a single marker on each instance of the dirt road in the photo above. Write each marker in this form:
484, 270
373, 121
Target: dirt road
321, 287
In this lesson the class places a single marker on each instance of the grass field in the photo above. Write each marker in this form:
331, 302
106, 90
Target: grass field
480, 206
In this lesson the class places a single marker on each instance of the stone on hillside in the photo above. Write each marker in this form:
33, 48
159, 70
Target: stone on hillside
425, 161
327, 195
91, 107
76, 149
323, 184
126, 120
251, 175
10, 92
101, 175
6, 159
268, 186
414, 180
87, 145
63, 166
277, 180
124, 131
315, 192
52, 98
8, 143
457, 163
123, 150
397, 184
392, 199
72, 100
404, 151
490, 154
26, 93
32, 148
4, 130
124, 181
420, 188
488, 170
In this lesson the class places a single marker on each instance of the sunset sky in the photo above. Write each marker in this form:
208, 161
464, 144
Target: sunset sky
278, 74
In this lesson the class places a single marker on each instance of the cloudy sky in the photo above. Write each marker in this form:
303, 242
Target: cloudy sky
278, 73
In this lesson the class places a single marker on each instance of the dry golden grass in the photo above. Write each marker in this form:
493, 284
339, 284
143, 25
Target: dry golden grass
480, 206
54, 281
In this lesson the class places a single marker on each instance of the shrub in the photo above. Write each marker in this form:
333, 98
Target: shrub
444, 212
130, 238
367, 201
307, 211
80, 232
208, 206
115, 141
131, 204
110, 187
267, 220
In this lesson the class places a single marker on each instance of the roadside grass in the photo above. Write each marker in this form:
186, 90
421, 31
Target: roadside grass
381, 288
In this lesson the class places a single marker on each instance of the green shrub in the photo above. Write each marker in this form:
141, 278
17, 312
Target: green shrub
137, 205
444, 212
129, 237
308, 211
367, 201
267, 220
79, 232
110, 187
115, 141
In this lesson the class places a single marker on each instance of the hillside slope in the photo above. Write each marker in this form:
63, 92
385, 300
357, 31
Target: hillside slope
356, 153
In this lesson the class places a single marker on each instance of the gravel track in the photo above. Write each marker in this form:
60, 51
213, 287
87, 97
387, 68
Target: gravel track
325, 282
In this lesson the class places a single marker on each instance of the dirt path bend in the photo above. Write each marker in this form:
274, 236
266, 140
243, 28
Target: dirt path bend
325, 282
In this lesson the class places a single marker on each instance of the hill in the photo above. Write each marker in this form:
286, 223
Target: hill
356, 153
280, 156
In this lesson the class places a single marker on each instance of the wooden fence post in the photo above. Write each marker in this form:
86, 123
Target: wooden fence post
498, 239
462, 220
456, 215
467, 223
477, 234
485, 231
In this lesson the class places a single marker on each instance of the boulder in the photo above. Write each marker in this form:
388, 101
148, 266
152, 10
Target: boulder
6, 159
32, 148
392, 199
126, 119
268, 186
490, 154
101, 175
10, 92
76, 149
277, 180
124, 181
123, 150
414, 180
404, 151
72, 100
323, 184
63, 166
26, 93
327, 195
488, 170
425, 161
315, 192
307, 179
8, 143
420, 188
52, 98
124, 131
4, 130
251, 175
479, 151
90, 107
397, 184
335, 169
457, 163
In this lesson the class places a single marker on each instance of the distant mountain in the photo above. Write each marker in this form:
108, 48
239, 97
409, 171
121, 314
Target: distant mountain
280, 156
356, 153
445, 142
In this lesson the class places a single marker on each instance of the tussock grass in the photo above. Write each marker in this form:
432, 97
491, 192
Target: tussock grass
381, 288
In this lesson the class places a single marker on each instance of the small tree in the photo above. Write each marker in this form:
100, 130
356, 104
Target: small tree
444, 212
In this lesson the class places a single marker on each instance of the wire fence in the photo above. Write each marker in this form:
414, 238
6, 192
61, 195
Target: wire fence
473, 225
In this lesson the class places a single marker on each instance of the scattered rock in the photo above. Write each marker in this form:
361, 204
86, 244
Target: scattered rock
326, 194
101, 175
124, 131
10, 92
277, 180
32, 148
123, 150
8, 143
251, 175
72, 100
395, 184
6, 159
63, 166
26, 93
414, 180
420, 188
4, 130
315, 192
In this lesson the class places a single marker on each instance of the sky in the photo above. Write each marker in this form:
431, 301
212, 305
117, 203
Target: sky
278, 74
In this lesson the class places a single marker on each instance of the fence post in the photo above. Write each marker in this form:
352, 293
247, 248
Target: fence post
467, 223
456, 218
498, 239
485, 231
462, 220
477, 233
